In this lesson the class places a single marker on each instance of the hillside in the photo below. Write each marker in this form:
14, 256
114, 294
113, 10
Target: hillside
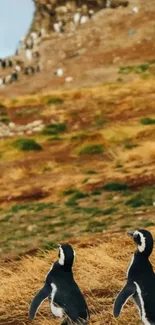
78, 157
90, 169
77, 153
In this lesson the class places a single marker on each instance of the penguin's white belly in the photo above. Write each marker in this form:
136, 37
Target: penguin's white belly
56, 311
140, 303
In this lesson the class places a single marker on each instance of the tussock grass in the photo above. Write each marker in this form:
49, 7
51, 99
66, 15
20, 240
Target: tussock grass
54, 100
4, 120
54, 129
141, 68
27, 145
100, 266
144, 198
2, 105
115, 186
147, 121
91, 149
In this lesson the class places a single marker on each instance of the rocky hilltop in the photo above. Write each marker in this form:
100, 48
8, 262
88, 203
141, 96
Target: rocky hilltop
47, 12
69, 54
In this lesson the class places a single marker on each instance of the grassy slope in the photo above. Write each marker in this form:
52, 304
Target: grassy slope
108, 138
99, 269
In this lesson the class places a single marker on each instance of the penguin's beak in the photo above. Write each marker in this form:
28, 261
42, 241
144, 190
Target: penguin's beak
130, 233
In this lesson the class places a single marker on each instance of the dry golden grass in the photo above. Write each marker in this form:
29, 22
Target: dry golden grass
108, 116
99, 269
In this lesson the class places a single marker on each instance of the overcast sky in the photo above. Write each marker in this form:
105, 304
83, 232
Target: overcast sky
15, 18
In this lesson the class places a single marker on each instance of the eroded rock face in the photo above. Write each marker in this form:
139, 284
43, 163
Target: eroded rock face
49, 12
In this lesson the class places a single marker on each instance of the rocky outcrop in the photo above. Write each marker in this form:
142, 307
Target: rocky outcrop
13, 129
47, 12
50, 17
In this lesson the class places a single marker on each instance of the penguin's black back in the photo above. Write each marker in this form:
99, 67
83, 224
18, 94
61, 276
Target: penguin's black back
141, 273
68, 295
141, 267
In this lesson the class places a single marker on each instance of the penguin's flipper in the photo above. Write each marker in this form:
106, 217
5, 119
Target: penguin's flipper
38, 299
122, 297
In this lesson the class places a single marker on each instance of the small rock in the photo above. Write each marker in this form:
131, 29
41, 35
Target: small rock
138, 212
29, 132
131, 32
18, 68
10, 134
116, 59
82, 51
28, 126
115, 198
20, 133
135, 10
20, 128
31, 227
36, 123
38, 128
68, 79
12, 125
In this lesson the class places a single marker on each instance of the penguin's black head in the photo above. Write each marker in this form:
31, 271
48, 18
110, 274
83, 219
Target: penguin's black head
143, 239
66, 255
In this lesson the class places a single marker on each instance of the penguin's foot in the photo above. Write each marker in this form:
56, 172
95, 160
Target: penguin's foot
65, 321
68, 321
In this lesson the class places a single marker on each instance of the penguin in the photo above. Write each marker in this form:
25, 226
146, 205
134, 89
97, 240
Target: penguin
140, 279
91, 13
34, 35
31, 70
60, 288
3, 63
59, 72
29, 43
10, 63
37, 69
7, 79
26, 70
14, 76
108, 4
1, 82
28, 54
36, 55
84, 19
42, 32
76, 18
58, 27
17, 68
